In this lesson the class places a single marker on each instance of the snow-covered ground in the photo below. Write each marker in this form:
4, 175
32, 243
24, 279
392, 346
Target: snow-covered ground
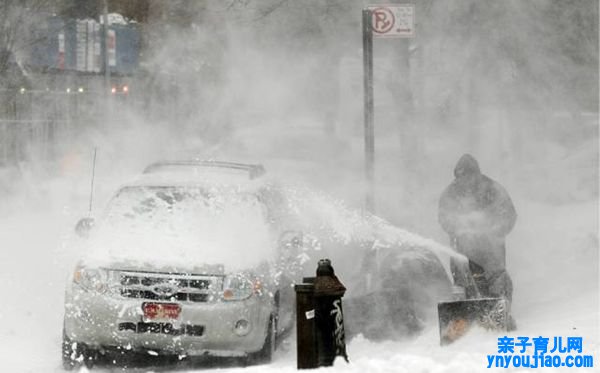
552, 255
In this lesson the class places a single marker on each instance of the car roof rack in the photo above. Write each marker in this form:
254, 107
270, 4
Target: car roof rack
254, 170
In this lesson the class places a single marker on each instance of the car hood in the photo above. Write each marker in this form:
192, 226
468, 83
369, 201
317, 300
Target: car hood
157, 267
167, 248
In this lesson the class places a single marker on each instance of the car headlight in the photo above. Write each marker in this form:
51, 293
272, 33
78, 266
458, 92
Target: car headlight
239, 287
91, 279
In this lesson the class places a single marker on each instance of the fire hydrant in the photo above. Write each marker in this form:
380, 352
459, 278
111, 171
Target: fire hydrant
320, 319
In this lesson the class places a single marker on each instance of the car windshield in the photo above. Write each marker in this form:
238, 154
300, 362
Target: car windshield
174, 225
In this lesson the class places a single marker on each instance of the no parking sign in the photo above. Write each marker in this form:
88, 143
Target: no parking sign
393, 21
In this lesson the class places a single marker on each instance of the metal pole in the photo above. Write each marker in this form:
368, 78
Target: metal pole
368, 110
105, 32
92, 183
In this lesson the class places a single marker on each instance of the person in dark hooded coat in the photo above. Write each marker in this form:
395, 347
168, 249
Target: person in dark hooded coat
477, 213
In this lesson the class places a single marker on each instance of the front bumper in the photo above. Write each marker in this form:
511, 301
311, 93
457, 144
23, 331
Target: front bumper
107, 321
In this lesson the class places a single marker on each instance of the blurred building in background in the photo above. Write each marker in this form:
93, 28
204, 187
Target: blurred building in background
58, 83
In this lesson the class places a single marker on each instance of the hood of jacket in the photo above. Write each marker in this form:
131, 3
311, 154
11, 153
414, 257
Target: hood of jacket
467, 166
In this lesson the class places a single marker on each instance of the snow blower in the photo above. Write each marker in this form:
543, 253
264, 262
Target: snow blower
471, 307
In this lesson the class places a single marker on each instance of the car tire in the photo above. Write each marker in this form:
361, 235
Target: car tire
76, 354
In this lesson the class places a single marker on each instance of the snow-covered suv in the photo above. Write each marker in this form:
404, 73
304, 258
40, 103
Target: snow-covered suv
185, 260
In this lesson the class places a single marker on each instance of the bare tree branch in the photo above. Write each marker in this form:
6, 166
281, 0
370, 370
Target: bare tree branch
270, 10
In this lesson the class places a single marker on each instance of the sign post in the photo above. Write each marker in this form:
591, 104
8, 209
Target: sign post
106, 63
368, 110
384, 21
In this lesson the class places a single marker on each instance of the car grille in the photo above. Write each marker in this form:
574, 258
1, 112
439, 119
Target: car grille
167, 286
163, 328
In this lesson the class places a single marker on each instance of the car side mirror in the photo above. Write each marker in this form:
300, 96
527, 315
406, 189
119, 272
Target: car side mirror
84, 226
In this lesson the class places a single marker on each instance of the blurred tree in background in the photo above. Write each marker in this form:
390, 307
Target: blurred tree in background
17, 18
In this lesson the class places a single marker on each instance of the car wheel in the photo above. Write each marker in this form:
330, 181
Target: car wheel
76, 354
265, 354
